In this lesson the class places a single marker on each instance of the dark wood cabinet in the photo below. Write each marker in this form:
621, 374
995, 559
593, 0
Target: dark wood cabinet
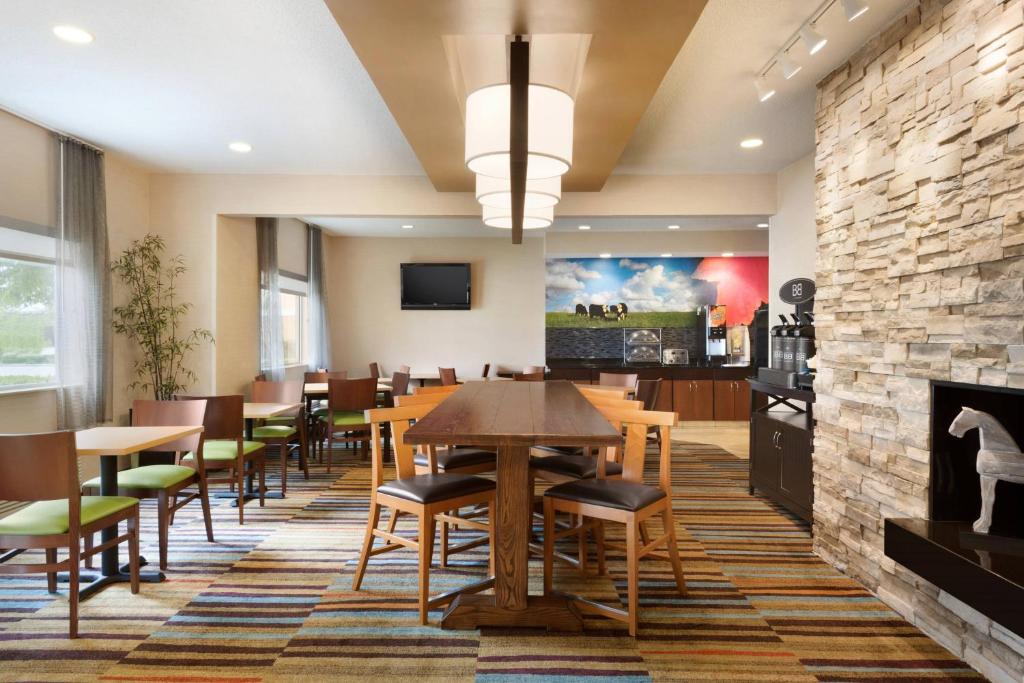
732, 399
781, 444
665, 401
694, 399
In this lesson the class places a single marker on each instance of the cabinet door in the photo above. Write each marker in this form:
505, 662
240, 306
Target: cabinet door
766, 456
664, 402
741, 400
682, 398
795, 477
704, 399
723, 399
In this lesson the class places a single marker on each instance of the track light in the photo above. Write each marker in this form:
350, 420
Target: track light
812, 39
788, 66
764, 91
854, 8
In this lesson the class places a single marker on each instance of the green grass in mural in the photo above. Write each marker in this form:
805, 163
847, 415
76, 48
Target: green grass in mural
660, 319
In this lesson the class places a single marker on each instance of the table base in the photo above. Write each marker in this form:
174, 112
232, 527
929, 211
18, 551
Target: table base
92, 582
555, 613
277, 495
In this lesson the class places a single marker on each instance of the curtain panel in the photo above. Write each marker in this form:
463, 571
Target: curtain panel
84, 360
319, 328
270, 334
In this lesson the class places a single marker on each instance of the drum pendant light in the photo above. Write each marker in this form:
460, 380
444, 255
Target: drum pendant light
533, 219
497, 192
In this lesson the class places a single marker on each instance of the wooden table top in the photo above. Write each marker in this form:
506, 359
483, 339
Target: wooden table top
127, 440
514, 413
318, 388
463, 380
261, 411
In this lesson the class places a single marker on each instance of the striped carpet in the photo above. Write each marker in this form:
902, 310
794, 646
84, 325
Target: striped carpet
272, 601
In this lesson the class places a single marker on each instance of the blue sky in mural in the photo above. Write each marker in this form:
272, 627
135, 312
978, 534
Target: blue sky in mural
644, 284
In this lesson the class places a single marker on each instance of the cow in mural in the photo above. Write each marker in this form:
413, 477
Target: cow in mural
619, 310
581, 310
598, 311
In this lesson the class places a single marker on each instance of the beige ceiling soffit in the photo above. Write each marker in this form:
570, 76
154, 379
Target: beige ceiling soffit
407, 47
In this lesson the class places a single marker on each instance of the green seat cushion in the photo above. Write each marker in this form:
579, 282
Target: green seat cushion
347, 417
274, 432
148, 477
51, 516
223, 451
280, 420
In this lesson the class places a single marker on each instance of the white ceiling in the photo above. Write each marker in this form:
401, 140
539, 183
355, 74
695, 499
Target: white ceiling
473, 227
707, 102
172, 82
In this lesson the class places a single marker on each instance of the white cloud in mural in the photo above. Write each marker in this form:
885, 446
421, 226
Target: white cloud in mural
633, 265
653, 289
600, 298
565, 276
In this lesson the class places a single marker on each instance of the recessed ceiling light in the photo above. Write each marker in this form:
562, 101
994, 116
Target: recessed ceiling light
812, 39
72, 34
751, 143
673, 227
605, 255
666, 255
762, 225
240, 147
727, 253
407, 227
584, 227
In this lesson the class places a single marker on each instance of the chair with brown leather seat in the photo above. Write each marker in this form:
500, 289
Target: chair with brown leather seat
447, 376
286, 431
460, 459
42, 469
225, 448
347, 401
628, 501
428, 497
528, 376
165, 482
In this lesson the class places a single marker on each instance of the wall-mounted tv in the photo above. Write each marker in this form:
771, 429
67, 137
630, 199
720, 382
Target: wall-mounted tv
435, 286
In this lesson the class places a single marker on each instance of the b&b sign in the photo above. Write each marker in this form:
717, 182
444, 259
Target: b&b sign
797, 291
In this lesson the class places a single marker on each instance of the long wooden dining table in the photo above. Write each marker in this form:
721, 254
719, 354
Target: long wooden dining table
513, 416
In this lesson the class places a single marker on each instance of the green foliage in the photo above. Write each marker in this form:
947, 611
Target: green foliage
151, 318
657, 319
25, 284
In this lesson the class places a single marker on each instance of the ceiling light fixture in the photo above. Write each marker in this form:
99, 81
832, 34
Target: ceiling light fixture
533, 219
673, 227
605, 255
727, 254
788, 66
72, 34
240, 147
751, 143
407, 227
762, 225
854, 8
764, 91
497, 192
584, 227
812, 39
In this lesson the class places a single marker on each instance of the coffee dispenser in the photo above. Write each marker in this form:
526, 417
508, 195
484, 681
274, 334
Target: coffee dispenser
713, 331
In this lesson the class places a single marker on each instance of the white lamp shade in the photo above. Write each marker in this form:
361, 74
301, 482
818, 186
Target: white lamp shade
497, 192
533, 219
812, 39
764, 90
549, 144
854, 8
788, 66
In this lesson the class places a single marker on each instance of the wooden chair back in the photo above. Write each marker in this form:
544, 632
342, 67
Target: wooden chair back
447, 376
618, 379
400, 419
223, 417
149, 413
351, 394
648, 390
444, 389
486, 370
607, 392
534, 369
374, 370
286, 391
431, 399
528, 376
323, 376
40, 467
399, 384
614, 401
636, 424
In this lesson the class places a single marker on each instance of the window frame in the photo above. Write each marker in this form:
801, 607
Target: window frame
303, 314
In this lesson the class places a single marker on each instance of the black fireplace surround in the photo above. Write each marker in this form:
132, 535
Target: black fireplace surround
985, 571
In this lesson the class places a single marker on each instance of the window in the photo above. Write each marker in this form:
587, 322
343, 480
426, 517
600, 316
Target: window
294, 318
27, 308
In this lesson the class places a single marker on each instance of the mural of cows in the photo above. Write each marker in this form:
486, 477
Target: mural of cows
619, 310
581, 310
597, 311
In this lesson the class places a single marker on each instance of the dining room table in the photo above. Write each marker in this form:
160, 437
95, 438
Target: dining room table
513, 417
108, 444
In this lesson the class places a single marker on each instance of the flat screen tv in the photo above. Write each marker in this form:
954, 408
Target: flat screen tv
435, 286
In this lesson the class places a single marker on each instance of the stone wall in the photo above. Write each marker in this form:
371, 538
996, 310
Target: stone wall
920, 217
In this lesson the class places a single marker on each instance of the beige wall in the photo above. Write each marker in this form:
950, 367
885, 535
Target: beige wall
793, 239
505, 326
677, 242
238, 309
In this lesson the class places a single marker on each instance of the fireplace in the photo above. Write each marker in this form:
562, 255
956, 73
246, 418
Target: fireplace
985, 571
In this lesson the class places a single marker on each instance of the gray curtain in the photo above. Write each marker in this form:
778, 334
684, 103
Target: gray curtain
319, 329
83, 289
271, 341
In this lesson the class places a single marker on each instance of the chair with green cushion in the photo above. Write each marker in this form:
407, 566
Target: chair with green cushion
347, 401
43, 469
316, 429
164, 482
287, 430
225, 450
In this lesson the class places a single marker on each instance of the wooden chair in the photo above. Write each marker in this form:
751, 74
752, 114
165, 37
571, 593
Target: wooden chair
165, 482
447, 376
347, 401
399, 384
534, 369
648, 391
225, 448
316, 429
284, 431
43, 469
374, 370
614, 392
486, 370
627, 501
618, 379
427, 496
443, 389
528, 376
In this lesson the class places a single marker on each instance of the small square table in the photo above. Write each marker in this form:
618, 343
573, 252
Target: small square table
260, 411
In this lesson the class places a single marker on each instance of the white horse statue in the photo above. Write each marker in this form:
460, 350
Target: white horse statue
998, 458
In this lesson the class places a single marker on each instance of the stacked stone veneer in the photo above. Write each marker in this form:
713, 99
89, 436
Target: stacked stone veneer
920, 216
